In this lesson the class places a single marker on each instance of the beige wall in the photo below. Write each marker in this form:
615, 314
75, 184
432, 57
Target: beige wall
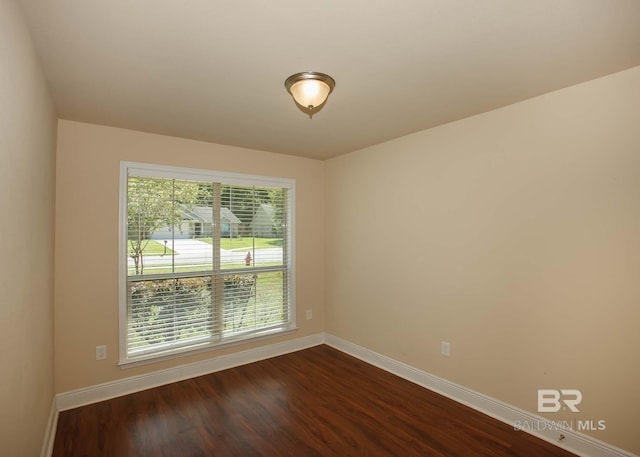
515, 236
27, 171
86, 300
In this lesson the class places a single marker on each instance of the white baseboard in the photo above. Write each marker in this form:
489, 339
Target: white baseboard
575, 442
50, 431
113, 389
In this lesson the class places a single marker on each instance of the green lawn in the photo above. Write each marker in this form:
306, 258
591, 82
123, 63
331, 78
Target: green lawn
153, 247
245, 243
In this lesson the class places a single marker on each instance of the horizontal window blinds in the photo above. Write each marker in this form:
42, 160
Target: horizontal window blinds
207, 262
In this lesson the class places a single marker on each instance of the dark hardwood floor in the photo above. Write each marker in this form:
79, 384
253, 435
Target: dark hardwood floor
316, 402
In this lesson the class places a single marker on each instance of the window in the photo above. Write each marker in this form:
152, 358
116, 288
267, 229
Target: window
206, 259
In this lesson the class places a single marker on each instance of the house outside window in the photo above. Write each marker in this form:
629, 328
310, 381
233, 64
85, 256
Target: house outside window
197, 270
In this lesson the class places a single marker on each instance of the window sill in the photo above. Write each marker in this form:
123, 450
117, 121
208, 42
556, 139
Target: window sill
204, 347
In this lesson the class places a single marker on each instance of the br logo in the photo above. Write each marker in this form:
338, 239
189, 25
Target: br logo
551, 400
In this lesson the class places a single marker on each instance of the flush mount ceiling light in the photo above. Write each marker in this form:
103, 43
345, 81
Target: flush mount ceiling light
310, 90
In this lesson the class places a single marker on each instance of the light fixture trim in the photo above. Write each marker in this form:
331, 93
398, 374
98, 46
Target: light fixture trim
292, 80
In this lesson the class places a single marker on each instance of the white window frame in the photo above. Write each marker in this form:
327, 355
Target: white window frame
181, 173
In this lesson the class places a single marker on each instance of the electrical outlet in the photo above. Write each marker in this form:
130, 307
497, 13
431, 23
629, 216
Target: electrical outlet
445, 348
309, 314
101, 352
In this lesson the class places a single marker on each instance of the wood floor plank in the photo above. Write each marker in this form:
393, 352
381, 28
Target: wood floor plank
315, 402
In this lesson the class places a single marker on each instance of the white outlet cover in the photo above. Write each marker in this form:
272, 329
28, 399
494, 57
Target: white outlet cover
445, 348
101, 352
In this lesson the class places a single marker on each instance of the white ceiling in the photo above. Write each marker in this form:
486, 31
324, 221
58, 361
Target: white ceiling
214, 70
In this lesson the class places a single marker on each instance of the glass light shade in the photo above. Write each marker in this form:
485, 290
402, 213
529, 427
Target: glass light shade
310, 89
310, 93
